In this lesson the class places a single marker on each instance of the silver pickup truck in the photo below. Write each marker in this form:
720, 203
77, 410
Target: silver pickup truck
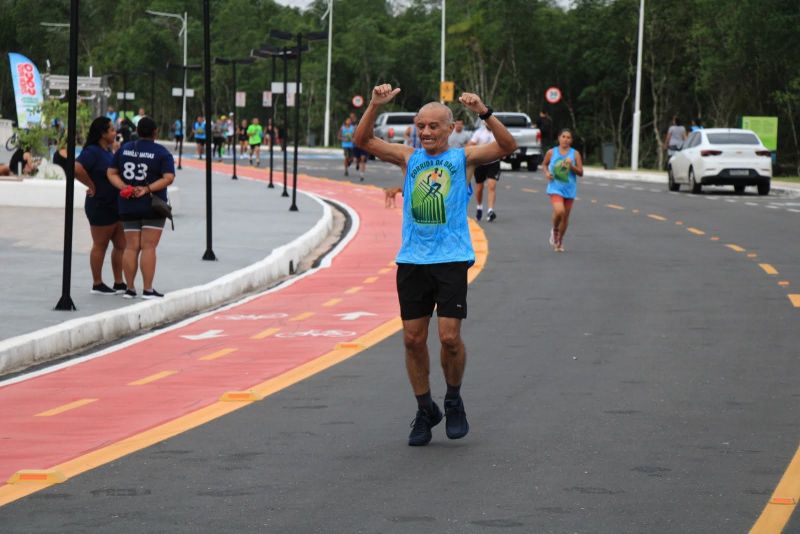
527, 136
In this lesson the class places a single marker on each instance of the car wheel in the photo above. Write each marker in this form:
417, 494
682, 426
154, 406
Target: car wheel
515, 165
739, 188
763, 189
671, 185
533, 164
696, 188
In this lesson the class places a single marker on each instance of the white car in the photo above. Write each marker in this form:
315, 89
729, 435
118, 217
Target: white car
721, 156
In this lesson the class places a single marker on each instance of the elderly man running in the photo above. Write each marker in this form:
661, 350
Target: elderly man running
436, 250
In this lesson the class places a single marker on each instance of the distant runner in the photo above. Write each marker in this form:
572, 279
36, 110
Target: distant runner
436, 249
562, 165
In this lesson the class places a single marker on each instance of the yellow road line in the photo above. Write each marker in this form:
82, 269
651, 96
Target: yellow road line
795, 299
769, 269
332, 302
656, 217
152, 378
783, 283
679, 223
752, 255
65, 407
370, 280
12, 492
221, 353
634, 211
735, 248
529, 190
594, 201
614, 207
302, 317
695, 231
385, 270
353, 290
714, 238
783, 501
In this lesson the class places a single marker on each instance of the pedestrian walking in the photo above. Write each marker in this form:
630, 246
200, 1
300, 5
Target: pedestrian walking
485, 174
218, 128
255, 136
141, 170
675, 136
545, 124
346, 132
199, 131
436, 249
100, 205
562, 165
230, 132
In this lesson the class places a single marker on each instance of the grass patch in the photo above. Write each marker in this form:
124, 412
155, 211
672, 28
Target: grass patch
793, 179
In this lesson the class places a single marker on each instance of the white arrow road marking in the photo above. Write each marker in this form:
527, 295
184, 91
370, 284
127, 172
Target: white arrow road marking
352, 316
208, 334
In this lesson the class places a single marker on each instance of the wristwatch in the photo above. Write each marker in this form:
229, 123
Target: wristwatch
486, 115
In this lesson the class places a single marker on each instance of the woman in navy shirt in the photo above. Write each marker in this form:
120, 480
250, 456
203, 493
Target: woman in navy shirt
91, 169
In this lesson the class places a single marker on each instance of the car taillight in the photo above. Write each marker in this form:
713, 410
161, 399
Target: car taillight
765, 153
705, 153
391, 133
539, 136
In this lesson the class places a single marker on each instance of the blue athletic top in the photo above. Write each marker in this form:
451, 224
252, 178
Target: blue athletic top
435, 197
96, 161
141, 163
564, 182
347, 133
199, 129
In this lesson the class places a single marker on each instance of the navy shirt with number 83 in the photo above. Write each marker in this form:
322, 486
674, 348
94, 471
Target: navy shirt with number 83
141, 163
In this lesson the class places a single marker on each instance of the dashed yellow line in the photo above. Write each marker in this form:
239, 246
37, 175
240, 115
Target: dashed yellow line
769, 269
614, 207
752, 255
152, 378
782, 502
529, 190
794, 299
302, 317
714, 238
656, 217
353, 290
331, 303
635, 212
65, 407
735, 248
695, 231
679, 223
783, 283
370, 280
221, 353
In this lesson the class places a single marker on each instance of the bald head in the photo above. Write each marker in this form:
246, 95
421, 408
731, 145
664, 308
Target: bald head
440, 111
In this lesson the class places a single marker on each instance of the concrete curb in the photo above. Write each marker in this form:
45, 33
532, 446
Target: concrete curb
19, 352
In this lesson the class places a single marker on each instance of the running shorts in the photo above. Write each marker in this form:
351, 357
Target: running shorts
490, 170
421, 287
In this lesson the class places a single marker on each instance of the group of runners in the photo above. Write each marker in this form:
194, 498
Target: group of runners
249, 135
436, 249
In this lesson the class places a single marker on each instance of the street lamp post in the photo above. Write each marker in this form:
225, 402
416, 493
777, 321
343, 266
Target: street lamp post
209, 253
329, 13
272, 54
441, 77
184, 31
637, 114
233, 62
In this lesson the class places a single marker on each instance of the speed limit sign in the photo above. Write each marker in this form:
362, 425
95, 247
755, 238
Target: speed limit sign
358, 101
553, 95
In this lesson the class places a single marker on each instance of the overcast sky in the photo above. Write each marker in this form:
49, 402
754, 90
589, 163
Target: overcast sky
305, 3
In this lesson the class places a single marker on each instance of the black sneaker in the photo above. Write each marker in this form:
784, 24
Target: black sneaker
491, 216
129, 294
421, 426
457, 426
102, 289
479, 214
152, 294
120, 288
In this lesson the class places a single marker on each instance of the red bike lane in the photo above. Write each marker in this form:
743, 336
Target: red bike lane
59, 424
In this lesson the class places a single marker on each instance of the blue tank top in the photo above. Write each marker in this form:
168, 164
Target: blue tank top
435, 198
564, 182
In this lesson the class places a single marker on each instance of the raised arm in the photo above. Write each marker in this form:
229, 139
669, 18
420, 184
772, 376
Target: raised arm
365, 138
504, 142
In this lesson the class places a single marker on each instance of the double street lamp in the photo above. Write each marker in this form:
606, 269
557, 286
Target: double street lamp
233, 63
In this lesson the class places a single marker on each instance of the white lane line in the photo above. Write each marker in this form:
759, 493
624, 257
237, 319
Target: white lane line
793, 210
773, 207
732, 201
621, 186
655, 190
751, 203
638, 188
711, 198
603, 185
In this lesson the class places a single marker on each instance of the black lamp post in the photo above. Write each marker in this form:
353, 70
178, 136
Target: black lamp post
233, 62
269, 52
209, 253
185, 69
310, 36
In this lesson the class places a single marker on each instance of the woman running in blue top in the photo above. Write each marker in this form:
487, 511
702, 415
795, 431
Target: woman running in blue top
562, 166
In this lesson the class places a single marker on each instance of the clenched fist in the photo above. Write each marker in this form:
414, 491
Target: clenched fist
473, 103
381, 94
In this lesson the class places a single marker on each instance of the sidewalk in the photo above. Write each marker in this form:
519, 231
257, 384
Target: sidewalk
255, 236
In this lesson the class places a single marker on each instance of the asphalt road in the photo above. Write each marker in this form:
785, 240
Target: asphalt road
643, 381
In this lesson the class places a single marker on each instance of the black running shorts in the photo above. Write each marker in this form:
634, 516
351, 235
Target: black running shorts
101, 212
420, 288
490, 170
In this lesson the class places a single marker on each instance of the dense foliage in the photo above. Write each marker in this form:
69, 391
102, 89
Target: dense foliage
712, 59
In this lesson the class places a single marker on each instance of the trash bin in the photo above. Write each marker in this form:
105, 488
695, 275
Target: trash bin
609, 155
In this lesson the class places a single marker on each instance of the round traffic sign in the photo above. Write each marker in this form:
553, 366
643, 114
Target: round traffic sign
553, 95
358, 101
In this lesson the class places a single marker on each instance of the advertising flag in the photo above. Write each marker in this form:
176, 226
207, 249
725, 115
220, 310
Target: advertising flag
27, 89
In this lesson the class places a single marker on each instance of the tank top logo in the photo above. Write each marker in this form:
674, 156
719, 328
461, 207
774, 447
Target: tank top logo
561, 171
431, 187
